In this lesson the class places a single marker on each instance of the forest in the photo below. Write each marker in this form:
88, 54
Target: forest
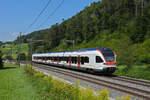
122, 25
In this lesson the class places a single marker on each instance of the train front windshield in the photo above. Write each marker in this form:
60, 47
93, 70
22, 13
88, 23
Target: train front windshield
109, 55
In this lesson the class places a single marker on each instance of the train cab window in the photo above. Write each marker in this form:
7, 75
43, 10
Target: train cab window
99, 59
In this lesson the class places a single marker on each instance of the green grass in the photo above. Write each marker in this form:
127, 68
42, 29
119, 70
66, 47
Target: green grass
139, 72
14, 84
26, 84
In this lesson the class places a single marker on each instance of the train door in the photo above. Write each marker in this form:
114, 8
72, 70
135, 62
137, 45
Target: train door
92, 60
70, 62
42, 60
99, 61
52, 59
45, 60
57, 59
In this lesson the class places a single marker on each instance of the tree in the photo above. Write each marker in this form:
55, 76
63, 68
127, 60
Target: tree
22, 56
9, 57
1, 43
1, 60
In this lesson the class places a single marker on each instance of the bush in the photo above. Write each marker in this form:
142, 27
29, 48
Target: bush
22, 56
1, 60
9, 57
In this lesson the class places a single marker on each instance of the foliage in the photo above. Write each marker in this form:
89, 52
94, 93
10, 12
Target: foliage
139, 72
1, 43
1, 60
8, 57
122, 25
22, 56
11, 50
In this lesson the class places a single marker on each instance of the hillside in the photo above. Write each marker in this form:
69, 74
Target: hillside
11, 51
122, 25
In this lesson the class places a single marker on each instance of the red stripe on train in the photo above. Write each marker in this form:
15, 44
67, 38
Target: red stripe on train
107, 62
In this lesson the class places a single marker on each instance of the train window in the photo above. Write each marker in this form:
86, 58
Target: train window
46, 58
67, 59
49, 58
63, 59
74, 60
82, 60
55, 59
98, 59
86, 59
60, 58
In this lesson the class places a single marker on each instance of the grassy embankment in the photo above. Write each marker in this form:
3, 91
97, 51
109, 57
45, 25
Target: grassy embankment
15, 84
6, 49
139, 72
54, 89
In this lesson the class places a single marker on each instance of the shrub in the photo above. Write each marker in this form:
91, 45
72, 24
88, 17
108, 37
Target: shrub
1, 60
22, 56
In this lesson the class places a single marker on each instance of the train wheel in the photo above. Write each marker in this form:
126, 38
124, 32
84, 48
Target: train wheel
90, 70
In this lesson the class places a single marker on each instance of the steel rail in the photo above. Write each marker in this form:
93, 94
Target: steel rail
134, 81
141, 93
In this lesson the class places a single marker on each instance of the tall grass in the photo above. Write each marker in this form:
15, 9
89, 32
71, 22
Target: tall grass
14, 84
140, 72
55, 89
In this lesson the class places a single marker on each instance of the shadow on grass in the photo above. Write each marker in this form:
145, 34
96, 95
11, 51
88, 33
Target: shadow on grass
4, 68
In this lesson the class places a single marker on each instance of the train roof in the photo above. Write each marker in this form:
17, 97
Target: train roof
80, 50
93, 49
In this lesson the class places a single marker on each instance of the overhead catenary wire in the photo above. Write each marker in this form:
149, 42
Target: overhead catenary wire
45, 7
51, 14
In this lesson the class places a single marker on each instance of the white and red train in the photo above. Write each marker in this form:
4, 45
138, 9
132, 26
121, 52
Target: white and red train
100, 60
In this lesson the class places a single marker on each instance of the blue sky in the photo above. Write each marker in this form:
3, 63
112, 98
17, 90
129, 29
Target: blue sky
17, 15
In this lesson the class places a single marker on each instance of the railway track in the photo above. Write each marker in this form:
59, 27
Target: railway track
132, 80
135, 91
